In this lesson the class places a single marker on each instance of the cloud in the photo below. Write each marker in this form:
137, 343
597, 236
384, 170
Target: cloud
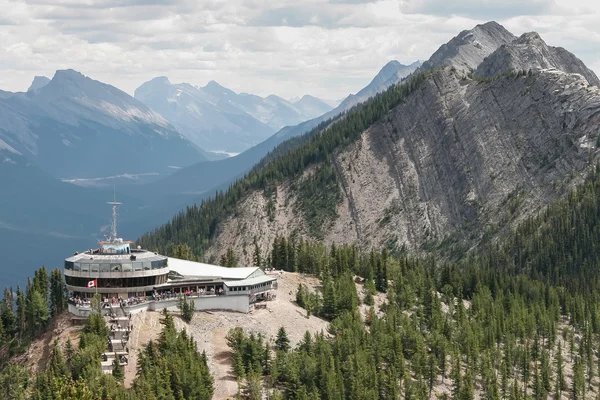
331, 47
478, 9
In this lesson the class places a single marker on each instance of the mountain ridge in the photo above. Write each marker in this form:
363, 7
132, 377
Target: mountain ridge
528, 52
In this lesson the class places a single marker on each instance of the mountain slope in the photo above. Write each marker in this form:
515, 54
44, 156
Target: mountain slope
454, 159
196, 114
530, 52
77, 127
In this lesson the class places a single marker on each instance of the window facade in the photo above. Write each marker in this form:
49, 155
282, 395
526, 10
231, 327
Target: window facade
126, 266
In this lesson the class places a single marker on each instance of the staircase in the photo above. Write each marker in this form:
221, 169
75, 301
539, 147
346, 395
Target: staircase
117, 341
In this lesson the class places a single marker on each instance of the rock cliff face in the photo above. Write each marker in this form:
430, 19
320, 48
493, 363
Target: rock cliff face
530, 52
458, 158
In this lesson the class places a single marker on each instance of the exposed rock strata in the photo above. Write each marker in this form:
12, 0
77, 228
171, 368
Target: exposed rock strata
457, 157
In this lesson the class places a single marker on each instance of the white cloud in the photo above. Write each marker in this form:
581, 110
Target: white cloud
326, 48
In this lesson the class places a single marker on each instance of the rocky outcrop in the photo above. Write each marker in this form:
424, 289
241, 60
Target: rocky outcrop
458, 157
530, 52
469, 48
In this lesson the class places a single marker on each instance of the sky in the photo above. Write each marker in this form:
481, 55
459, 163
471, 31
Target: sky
327, 48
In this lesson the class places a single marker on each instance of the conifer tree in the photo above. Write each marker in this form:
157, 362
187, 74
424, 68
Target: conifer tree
257, 259
117, 370
7, 314
282, 342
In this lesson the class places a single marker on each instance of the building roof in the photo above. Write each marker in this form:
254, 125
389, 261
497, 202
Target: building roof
251, 281
195, 269
140, 255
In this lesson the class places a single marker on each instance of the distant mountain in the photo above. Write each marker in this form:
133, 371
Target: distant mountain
469, 48
392, 73
271, 110
197, 115
530, 52
331, 103
78, 127
5, 95
38, 83
219, 119
311, 106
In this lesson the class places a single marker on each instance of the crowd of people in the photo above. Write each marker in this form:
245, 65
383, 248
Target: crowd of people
169, 295
107, 302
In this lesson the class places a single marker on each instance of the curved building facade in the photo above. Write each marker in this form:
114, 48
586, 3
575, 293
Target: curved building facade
115, 270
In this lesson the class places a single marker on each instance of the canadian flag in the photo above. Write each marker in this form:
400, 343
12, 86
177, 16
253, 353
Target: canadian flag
93, 283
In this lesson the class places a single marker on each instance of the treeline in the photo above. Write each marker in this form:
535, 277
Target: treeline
25, 314
170, 368
197, 225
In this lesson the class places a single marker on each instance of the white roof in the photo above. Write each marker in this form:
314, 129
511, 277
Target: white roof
196, 269
251, 281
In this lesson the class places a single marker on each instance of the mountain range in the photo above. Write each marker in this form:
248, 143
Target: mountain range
218, 119
76, 127
487, 132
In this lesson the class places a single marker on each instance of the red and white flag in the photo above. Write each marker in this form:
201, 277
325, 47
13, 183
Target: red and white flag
93, 283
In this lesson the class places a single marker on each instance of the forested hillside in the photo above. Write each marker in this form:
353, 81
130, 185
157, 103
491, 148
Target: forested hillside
513, 321
198, 224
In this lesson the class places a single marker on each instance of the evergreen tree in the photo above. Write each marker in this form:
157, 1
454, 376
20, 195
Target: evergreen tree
7, 314
117, 371
282, 342
256, 255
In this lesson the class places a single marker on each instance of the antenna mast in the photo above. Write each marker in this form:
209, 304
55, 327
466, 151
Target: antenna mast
113, 227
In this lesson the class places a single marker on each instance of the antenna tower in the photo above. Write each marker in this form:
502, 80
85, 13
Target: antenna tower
113, 227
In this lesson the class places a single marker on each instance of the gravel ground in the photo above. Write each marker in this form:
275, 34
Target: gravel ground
209, 329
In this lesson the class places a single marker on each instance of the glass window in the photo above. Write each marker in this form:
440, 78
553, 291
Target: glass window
85, 267
68, 265
137, 266
76, 267
127, 267
94, 267
115, 267
104, 267
147, 265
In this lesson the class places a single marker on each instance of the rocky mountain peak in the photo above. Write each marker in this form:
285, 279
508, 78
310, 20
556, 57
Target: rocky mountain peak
158, 84
470, 47
38, 83
530, 52
68, 74
216, 89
